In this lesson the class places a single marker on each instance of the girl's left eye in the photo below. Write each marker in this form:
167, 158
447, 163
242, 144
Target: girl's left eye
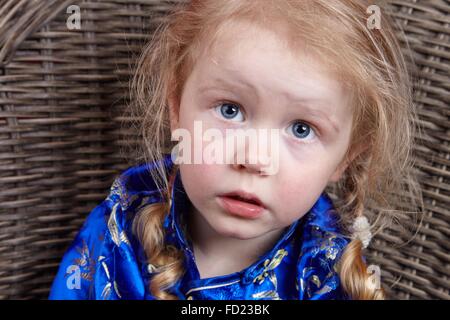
230, 111
302, 130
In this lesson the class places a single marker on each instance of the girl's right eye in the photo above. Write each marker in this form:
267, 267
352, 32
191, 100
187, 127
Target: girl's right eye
230, 111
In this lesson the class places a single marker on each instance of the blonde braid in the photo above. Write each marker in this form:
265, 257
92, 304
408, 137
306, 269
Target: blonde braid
168, 261
355, 278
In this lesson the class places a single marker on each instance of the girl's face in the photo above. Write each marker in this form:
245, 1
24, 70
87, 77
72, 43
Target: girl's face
271, 88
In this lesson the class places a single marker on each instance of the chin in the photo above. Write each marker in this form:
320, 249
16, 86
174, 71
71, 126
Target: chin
231, 230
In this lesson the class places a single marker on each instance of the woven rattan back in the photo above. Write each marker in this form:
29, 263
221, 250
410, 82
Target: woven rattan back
62, 99
420, 269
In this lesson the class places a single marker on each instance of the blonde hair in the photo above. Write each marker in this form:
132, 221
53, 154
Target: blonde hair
379, 155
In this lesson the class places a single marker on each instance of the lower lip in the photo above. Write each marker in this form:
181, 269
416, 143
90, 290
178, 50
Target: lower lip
241, 208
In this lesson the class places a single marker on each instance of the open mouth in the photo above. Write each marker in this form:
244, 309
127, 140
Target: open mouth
239, 198
246, 197
241, 206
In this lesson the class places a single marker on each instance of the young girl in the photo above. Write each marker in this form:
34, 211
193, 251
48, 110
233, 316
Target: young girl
339, 94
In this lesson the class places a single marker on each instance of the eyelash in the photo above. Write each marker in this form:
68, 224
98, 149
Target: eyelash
317, 133
220, 103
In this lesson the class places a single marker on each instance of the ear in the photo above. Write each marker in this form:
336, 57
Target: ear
336, 176
174, 111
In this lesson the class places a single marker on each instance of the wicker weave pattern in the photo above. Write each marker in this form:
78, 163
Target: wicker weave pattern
62, 99
421, 269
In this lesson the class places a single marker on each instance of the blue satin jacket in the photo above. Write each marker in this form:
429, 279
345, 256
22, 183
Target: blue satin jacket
106, 261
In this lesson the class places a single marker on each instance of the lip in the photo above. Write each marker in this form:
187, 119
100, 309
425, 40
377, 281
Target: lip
252, 209
245, 195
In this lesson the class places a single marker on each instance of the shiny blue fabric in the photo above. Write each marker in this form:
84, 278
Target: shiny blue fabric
105, 261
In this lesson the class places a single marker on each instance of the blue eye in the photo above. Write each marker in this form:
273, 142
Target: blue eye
229, 111
302, 130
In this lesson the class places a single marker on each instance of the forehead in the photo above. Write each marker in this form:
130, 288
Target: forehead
264, 58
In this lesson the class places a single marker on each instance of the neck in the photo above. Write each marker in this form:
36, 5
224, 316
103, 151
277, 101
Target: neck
216, 254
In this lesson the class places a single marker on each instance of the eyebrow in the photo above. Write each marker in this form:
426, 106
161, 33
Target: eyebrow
241, 83
315, 112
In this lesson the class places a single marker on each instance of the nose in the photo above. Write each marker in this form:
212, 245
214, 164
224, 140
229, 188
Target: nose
252, 168
251, 162
255, 151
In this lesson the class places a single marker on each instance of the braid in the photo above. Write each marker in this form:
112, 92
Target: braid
167, 260
355, 278
353, 273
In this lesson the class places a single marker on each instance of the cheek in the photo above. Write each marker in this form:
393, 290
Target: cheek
294, 205
297, 192
293, 194
200, 179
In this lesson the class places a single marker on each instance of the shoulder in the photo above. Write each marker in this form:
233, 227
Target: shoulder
105, 238
132, 189
77, 269
136, 186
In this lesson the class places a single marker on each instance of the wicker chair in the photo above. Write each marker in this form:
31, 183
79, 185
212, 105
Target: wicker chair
62, 99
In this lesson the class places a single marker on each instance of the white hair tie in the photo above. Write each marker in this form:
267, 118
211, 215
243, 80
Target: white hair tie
361, 230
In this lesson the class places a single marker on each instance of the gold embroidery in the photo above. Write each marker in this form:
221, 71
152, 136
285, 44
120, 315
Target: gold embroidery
123, 238
315, 279
306, 285
306, 270
331, 253
302, 284
113, 228
273, 279
106, 292
328, 245
118, 189
268, 271
270, 265
273, 294
112, 225
210, 287
105, 267
117, 289
313, 282
328, 249
325, 289
85, 262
